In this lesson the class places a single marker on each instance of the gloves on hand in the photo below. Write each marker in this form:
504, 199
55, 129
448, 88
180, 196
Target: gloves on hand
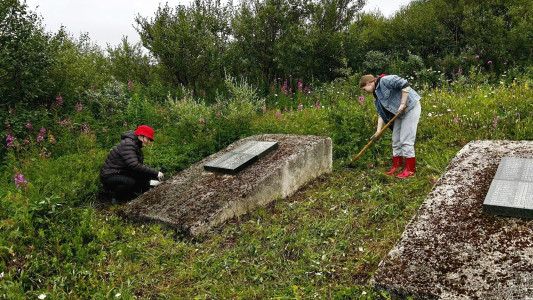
160, 176
402, 108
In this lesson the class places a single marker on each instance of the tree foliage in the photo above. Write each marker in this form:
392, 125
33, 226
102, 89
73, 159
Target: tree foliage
193, 47
188, 42
25, 58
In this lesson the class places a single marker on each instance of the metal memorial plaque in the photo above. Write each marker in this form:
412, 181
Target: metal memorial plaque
236, 160
511, 191
258, 149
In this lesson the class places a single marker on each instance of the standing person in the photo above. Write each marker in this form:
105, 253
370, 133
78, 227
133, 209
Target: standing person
124, 173
393, 95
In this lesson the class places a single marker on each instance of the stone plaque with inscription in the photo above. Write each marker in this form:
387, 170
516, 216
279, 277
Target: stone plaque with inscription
236, 160
511, 191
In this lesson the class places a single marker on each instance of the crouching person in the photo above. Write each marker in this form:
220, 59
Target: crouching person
124, 175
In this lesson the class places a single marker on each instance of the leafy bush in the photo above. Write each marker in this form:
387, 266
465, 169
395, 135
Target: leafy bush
111, 100
376, 62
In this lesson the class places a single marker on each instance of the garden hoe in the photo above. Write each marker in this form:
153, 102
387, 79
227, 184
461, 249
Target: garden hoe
373, 139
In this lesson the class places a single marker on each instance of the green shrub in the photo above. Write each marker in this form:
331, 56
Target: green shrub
111, 100
376, 62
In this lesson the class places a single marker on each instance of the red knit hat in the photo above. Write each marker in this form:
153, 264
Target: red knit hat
146, 131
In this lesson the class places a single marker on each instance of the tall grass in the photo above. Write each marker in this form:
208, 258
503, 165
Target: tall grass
58, 239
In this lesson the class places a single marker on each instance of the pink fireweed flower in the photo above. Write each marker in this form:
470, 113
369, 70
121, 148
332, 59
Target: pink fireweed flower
9, 140
28, 125
362, 99
291, 111
495, 122
433, 180
42, 131
104, 130
477, 56
218, 114
300, 86
201, 121
489, 62
464, 57
19, 180
59, 102
40, 138
85, 128
456, 120
125, 124
300, 106
79, 107
278, 115
130, 85
64, 122
334, 100
284, 88
317, 104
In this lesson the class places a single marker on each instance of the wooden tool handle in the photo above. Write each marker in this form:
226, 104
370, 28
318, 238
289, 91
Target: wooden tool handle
375, 138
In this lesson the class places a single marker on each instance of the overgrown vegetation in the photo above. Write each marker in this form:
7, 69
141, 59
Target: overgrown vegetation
59, 239
67, 102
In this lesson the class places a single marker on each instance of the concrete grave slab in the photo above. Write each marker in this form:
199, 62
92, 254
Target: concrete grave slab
196, 200
451, 249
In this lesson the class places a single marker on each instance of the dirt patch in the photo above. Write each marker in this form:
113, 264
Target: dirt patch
451, 249
196, 196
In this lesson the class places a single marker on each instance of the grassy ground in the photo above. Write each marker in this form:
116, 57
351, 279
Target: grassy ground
59, 240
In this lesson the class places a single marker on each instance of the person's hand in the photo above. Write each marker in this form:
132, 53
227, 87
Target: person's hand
160, 176
402, 108
374, 137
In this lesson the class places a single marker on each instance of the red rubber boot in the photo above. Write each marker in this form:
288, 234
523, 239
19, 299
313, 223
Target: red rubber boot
397, 163
409, 170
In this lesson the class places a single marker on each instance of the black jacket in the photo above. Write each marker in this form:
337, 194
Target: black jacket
126, 158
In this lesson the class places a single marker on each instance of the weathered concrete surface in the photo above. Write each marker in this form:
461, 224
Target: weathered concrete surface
450, 249
196, 200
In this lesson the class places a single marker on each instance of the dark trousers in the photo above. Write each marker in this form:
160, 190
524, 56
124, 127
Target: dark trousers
126, 187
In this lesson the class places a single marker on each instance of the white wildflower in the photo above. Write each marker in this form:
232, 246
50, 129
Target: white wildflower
42, 296
118, 295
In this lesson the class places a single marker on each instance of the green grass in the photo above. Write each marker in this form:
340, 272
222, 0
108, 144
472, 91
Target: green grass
325, 241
